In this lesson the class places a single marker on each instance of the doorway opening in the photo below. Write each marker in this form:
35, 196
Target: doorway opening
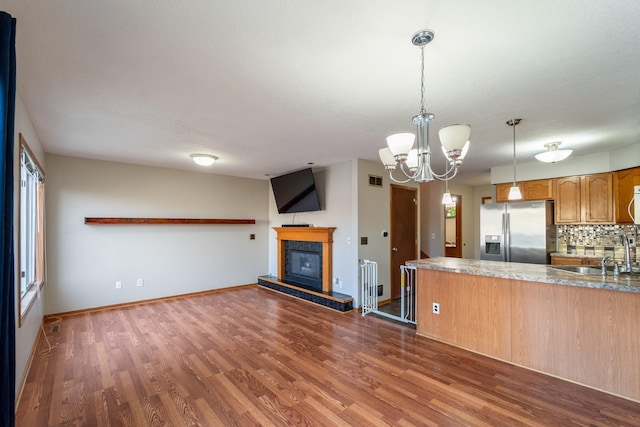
453, 227
403, 247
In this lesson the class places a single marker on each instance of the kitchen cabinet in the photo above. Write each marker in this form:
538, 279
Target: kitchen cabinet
571, 332
584, 199
597, 193
567, 201
537, 189
623, 183
573, 260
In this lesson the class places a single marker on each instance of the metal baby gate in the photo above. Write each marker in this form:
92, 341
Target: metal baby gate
369, 285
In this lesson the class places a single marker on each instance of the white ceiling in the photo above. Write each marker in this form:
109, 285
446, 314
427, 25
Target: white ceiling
269, 86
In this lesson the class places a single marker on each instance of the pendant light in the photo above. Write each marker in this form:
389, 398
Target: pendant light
446, 198
514, 191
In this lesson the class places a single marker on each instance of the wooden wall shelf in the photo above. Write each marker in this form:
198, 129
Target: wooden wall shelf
94, 220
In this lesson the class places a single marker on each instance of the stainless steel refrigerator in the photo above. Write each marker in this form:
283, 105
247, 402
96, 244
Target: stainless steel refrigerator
517, 232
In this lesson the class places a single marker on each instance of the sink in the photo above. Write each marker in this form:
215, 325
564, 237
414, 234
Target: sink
581, 269
596, 270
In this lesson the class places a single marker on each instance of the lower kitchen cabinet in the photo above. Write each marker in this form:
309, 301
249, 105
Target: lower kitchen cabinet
573, 260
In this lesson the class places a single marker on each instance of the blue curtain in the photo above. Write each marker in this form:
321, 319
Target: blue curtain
7, 288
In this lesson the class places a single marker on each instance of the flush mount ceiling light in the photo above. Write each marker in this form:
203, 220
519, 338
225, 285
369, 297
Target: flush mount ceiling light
204, 159
552, 154
514, 191
415, 163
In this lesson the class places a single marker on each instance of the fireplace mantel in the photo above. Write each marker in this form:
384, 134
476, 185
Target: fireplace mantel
323, 235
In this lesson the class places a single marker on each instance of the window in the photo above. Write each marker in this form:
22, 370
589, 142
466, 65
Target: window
31, 261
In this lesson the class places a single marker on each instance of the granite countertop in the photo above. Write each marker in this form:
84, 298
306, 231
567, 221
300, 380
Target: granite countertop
529, 272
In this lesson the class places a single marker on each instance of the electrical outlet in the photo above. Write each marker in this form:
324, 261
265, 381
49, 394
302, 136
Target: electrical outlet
118, 284
140, 282
436, 308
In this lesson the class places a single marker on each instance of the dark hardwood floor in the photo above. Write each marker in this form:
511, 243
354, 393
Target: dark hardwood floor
249, 356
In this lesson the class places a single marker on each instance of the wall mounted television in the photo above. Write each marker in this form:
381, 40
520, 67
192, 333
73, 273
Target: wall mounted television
296, 192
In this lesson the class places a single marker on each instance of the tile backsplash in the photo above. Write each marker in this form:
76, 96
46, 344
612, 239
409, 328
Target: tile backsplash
596, 239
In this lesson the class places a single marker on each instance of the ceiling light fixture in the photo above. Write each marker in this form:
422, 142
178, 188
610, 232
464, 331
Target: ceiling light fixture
552, 154
514, 191
415, 163
204, 159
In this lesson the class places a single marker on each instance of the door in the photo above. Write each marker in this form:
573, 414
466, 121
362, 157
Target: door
404, 232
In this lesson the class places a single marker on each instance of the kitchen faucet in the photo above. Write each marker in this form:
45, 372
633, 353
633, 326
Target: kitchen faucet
603, 264
627, 253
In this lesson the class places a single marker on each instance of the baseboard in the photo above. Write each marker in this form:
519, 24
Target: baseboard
384, 302
25, 373
146, 301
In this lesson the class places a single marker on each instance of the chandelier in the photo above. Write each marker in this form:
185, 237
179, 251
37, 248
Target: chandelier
415, 163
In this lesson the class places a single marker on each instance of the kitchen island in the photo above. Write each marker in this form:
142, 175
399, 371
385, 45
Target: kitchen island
582, 328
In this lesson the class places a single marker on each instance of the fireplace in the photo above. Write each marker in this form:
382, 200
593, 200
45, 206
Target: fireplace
307, 241
304, 267
303, 264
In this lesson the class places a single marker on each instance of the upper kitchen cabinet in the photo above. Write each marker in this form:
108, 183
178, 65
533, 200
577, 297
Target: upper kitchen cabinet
597, 192
623, 183
584, 199
567, 200
538, 189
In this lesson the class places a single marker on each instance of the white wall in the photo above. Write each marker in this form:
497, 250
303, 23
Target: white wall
374, 217
25, 334
338, 201
432, 218
85, 261
625, 157
621, 158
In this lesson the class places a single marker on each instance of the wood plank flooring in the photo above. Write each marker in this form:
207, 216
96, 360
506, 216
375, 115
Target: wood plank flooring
250, 356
